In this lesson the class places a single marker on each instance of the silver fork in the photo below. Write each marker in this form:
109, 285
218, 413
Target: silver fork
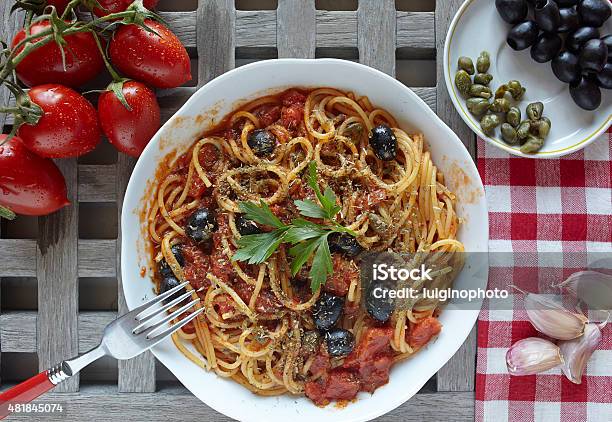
124, 338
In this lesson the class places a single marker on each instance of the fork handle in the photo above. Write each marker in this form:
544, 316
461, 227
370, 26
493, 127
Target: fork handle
30, 389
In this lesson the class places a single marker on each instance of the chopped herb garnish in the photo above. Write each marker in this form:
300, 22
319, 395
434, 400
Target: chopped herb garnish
308, 239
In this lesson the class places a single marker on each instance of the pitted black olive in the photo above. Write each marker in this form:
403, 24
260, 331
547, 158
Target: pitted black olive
566, 3
547, 15
378, 304
594, 12
512, 11
168, 283
604, 78
579, 37
246, 226
164, 268
608, 41
593, 56
383, 142
327, 311
523, 35
546, 47
565, 67
340, 342
586, 94
201, 225
570, 20
262, 142
344, 244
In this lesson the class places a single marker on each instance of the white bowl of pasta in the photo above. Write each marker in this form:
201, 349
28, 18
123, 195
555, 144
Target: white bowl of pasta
184, 218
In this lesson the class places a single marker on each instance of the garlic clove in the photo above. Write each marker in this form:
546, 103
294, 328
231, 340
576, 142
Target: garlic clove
531, 356
577, 352
592, 287
552, 319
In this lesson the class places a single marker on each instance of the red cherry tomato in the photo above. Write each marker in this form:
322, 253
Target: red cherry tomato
60, 5
129, 131
44, 65
115, 6
161, 62
29, 184
68, 127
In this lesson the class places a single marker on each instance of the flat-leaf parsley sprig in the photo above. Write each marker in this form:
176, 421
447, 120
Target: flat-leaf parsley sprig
308, 239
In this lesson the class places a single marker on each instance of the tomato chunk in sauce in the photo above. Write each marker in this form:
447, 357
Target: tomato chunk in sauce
423, 331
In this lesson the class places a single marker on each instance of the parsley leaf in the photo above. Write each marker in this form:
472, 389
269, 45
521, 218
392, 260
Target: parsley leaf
257, 248
260, 214
309, 208
300, 253
321, 264
327, 199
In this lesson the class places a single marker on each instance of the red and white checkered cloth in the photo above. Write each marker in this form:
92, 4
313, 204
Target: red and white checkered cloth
543, 205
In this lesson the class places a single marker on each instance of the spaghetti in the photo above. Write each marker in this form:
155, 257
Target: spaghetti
258, 325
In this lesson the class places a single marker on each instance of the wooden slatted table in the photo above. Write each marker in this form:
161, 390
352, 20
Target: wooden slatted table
58, 259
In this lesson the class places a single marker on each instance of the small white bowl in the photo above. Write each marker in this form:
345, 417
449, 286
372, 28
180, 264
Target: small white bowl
477, 27
212, 102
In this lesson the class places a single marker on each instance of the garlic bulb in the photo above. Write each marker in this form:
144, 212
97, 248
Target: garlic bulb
577, 352
592, 287
532, 356
552, 319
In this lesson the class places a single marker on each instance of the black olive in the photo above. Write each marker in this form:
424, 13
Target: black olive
579, 37
586, 93
608, 41
344, 244
565, 67
594, 12
523, 35
383, 142
168, 283
566, 3
246, 226
340, 342
546, 47
604, 78
547, 15
262, 142
164, 268
593, 56
378, 304
570, 20
512, 11
201, 225
327, 311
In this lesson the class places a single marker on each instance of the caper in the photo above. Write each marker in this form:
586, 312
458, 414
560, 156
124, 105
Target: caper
508, 97
532, 144
483, 62
500, 105
477, 106
500, 91
516, 89
483, 78
482, 91
466, 64
489, 122
543, 128
523, 130
534, 111
509, 133
463, 81
514, 116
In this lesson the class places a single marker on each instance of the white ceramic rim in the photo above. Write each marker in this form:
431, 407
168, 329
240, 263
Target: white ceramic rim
377, 407
476, 128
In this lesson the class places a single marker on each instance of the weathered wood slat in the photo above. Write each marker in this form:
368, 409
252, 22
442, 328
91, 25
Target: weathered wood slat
18, 330
215, 36
459, 372
296, 29
136, 375
97, 183
57, 273
376, 34
179, 405
96, 257
416, 30
336, 29
255, 29
11, 23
